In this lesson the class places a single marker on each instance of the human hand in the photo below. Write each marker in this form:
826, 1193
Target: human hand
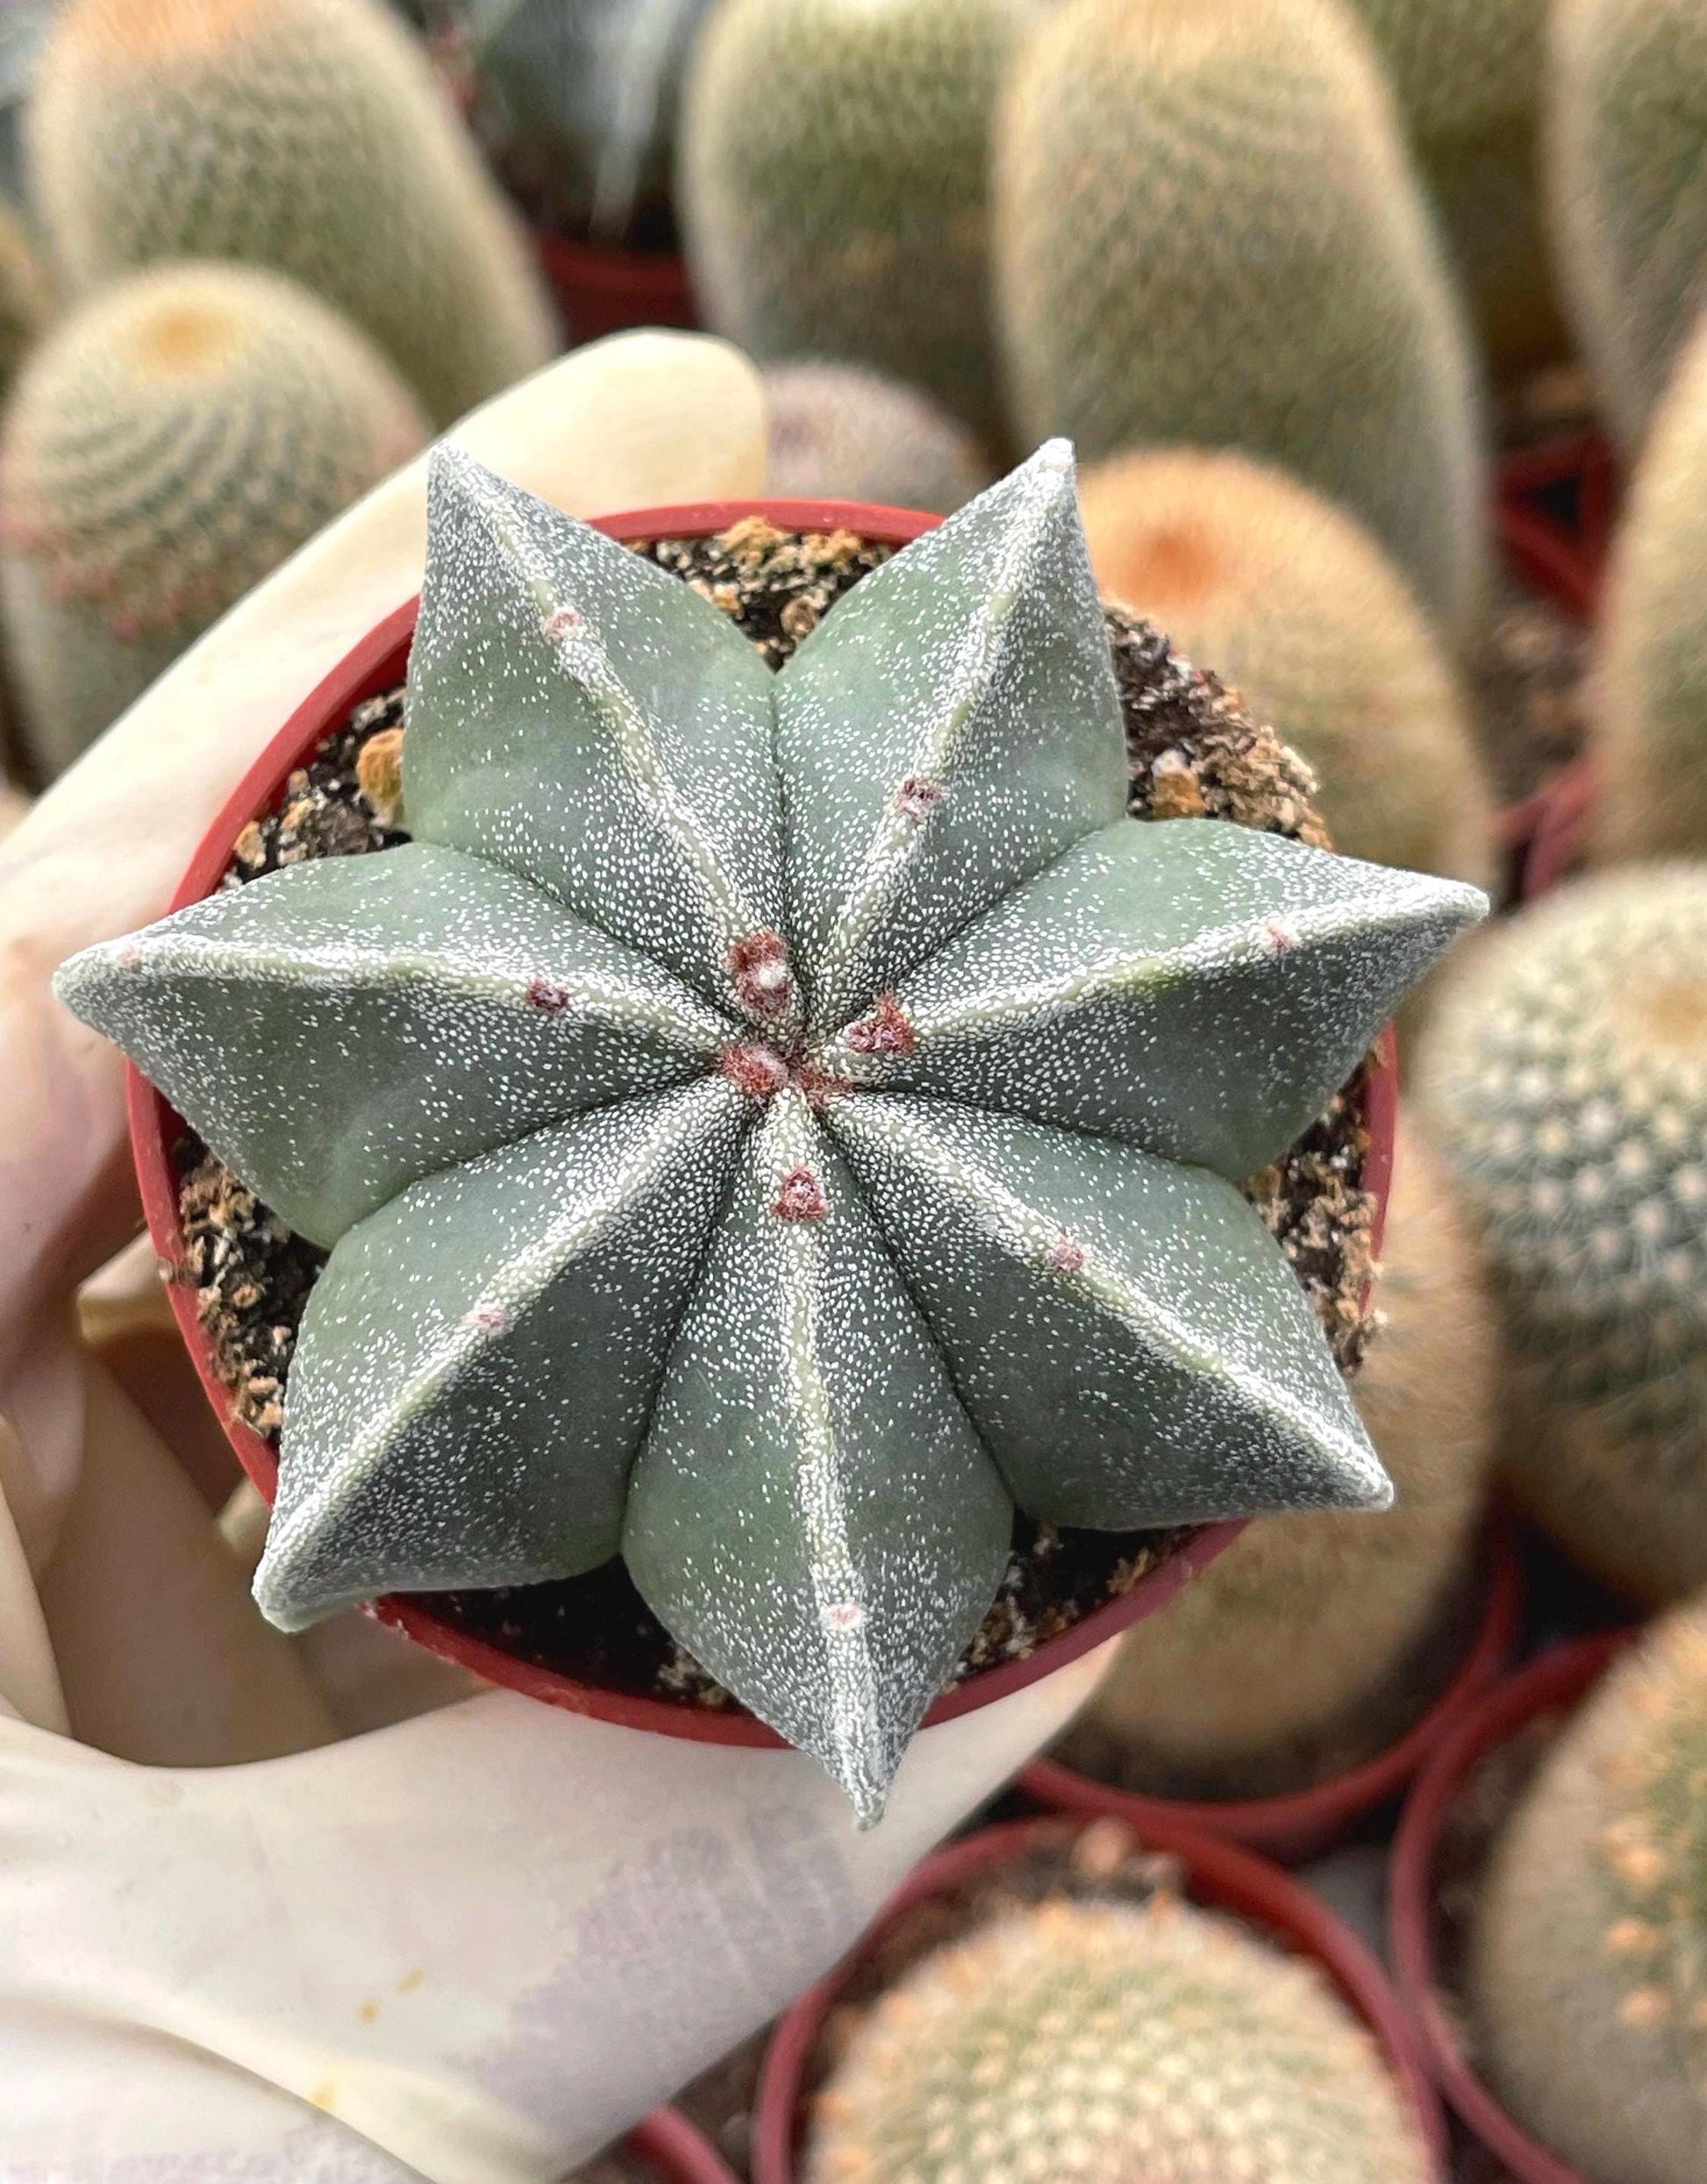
471, 1945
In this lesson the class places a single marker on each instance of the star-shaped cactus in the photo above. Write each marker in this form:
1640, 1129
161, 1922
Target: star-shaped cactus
770, 1126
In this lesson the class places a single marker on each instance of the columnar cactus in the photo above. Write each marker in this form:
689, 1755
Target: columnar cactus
1200, 1701
1649, 720
835, 181
1207, 231
1566, 1067
769, 1127
1468, 76
1298, 606
308, 136
1588, 1963
1110, 2040
845, 434
577, 100
1628, 112
171, 444
23, 295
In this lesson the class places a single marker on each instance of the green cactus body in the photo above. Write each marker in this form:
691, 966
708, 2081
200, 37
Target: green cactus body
577, 102
1649, 720
1588, 1959
173, 442
1565, 1069
1628, 114
835, 182
1468, 77
1298, 607
840, 433
771, 1126
307, 136
1112, 2043
1207, 232
1200, 1701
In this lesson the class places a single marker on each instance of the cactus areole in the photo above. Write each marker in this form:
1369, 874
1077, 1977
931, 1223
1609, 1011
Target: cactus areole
771, 1126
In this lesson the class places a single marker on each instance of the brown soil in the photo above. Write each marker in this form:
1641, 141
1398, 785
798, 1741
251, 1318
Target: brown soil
1193, 753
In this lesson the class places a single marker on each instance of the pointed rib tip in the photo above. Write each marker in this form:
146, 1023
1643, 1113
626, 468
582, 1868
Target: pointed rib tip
1058, 456
81, 978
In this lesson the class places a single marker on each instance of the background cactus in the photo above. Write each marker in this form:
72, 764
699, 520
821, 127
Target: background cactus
1648, 723
308, 136
840, 432
1292, 601
1627, 119
1207, 231
1588, 1967
24, 295
560, 1089
1468, 76
1200, 1701
577, 101
171, 445
1112, 2041
1566, 1067
835, 181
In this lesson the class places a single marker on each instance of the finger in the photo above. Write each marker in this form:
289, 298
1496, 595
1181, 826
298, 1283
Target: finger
29, 1683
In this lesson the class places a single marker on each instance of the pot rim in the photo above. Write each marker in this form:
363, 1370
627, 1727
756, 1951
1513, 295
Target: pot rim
1301, 1823
1221, 1875
375, 664
1563, 1676
679, 2149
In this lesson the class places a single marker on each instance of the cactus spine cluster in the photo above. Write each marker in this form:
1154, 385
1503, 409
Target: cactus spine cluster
1200, 1701
835, 185
577, 101
1208, 233
1589, 1964
770, 1126
1649, 719
170, 444
1628, 113
1296, 605
1468, 76
1565, 1069
308, 136
841, 433
1110, 2040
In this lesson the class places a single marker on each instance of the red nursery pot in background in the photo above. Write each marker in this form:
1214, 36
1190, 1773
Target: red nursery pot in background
680, 2154
1218, 1875
1304, 1823
376, 665
601, 292
1557, 1682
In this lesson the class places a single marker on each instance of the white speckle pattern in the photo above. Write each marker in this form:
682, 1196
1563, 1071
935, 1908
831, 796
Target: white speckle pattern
571, 1086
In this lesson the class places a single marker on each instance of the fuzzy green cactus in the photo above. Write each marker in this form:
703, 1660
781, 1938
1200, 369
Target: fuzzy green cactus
1112, 2041
1628, 116
1588, 1959
308, 136
1207, 231
1648, 734
24, 295
1468, 77
172, 442
769, 1127
835, 181
1566, 1068
840, 433
1200, 1701
1296, 604
577, 101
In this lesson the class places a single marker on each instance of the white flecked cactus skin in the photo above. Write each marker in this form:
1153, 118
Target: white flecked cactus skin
1116, 2044
770, 1126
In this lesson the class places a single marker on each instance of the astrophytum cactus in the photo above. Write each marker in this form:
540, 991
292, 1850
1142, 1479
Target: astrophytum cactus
769, 1127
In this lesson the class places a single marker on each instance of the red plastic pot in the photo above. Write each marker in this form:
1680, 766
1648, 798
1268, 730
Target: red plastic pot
680, 2154
1558, 1682
1303, 1822
1561, 552
1217, 1874
601, 292
378, 664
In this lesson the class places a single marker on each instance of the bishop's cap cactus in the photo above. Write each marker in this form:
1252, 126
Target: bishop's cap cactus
769, 1127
